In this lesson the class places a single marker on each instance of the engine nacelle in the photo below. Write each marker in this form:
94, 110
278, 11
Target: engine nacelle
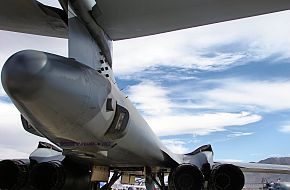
226, 177
55, 176
186, 177
13, 174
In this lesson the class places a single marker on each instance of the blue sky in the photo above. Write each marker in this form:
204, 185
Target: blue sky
227, 84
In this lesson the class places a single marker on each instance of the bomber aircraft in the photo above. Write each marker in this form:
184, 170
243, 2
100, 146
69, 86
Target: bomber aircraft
76, 104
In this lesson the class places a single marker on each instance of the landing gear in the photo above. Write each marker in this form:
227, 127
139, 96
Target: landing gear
95, 186
107, 186
151, 179
113, 179
149, 183
162, 181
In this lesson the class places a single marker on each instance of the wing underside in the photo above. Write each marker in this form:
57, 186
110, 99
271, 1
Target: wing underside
32, 17
134, 18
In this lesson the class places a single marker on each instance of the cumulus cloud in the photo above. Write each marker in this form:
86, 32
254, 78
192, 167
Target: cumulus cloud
12, 153
15, 141
160, 113
176, 146
9, 115
19, 41
201, 124
256, 95
150, 98
183, 49
190, 48
285, 129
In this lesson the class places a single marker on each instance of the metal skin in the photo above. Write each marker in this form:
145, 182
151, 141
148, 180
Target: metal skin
66, 102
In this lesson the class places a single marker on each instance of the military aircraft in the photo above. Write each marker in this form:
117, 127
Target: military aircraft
75, 102
278, 185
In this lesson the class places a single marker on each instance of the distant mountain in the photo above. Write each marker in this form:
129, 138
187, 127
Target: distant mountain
276, 160
252, 178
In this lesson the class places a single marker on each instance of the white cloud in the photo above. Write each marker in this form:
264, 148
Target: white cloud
201, 124
10, 117
240, 134
285, 129
15, 141
176, 146
230, 160
258, 95
161, 116
188, 48
12, 153
149, 98
15, 42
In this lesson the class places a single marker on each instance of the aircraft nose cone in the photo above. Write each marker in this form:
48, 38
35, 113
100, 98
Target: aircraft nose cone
22, 73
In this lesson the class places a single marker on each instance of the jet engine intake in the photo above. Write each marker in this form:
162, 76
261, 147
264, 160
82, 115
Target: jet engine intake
186, 177
226, 177
13, 174
55, 176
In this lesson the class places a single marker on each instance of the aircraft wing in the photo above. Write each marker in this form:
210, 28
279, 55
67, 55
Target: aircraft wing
261, 168
30, 16
130, 18
134, 18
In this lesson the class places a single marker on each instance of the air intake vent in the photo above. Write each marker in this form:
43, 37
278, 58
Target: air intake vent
119, 124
